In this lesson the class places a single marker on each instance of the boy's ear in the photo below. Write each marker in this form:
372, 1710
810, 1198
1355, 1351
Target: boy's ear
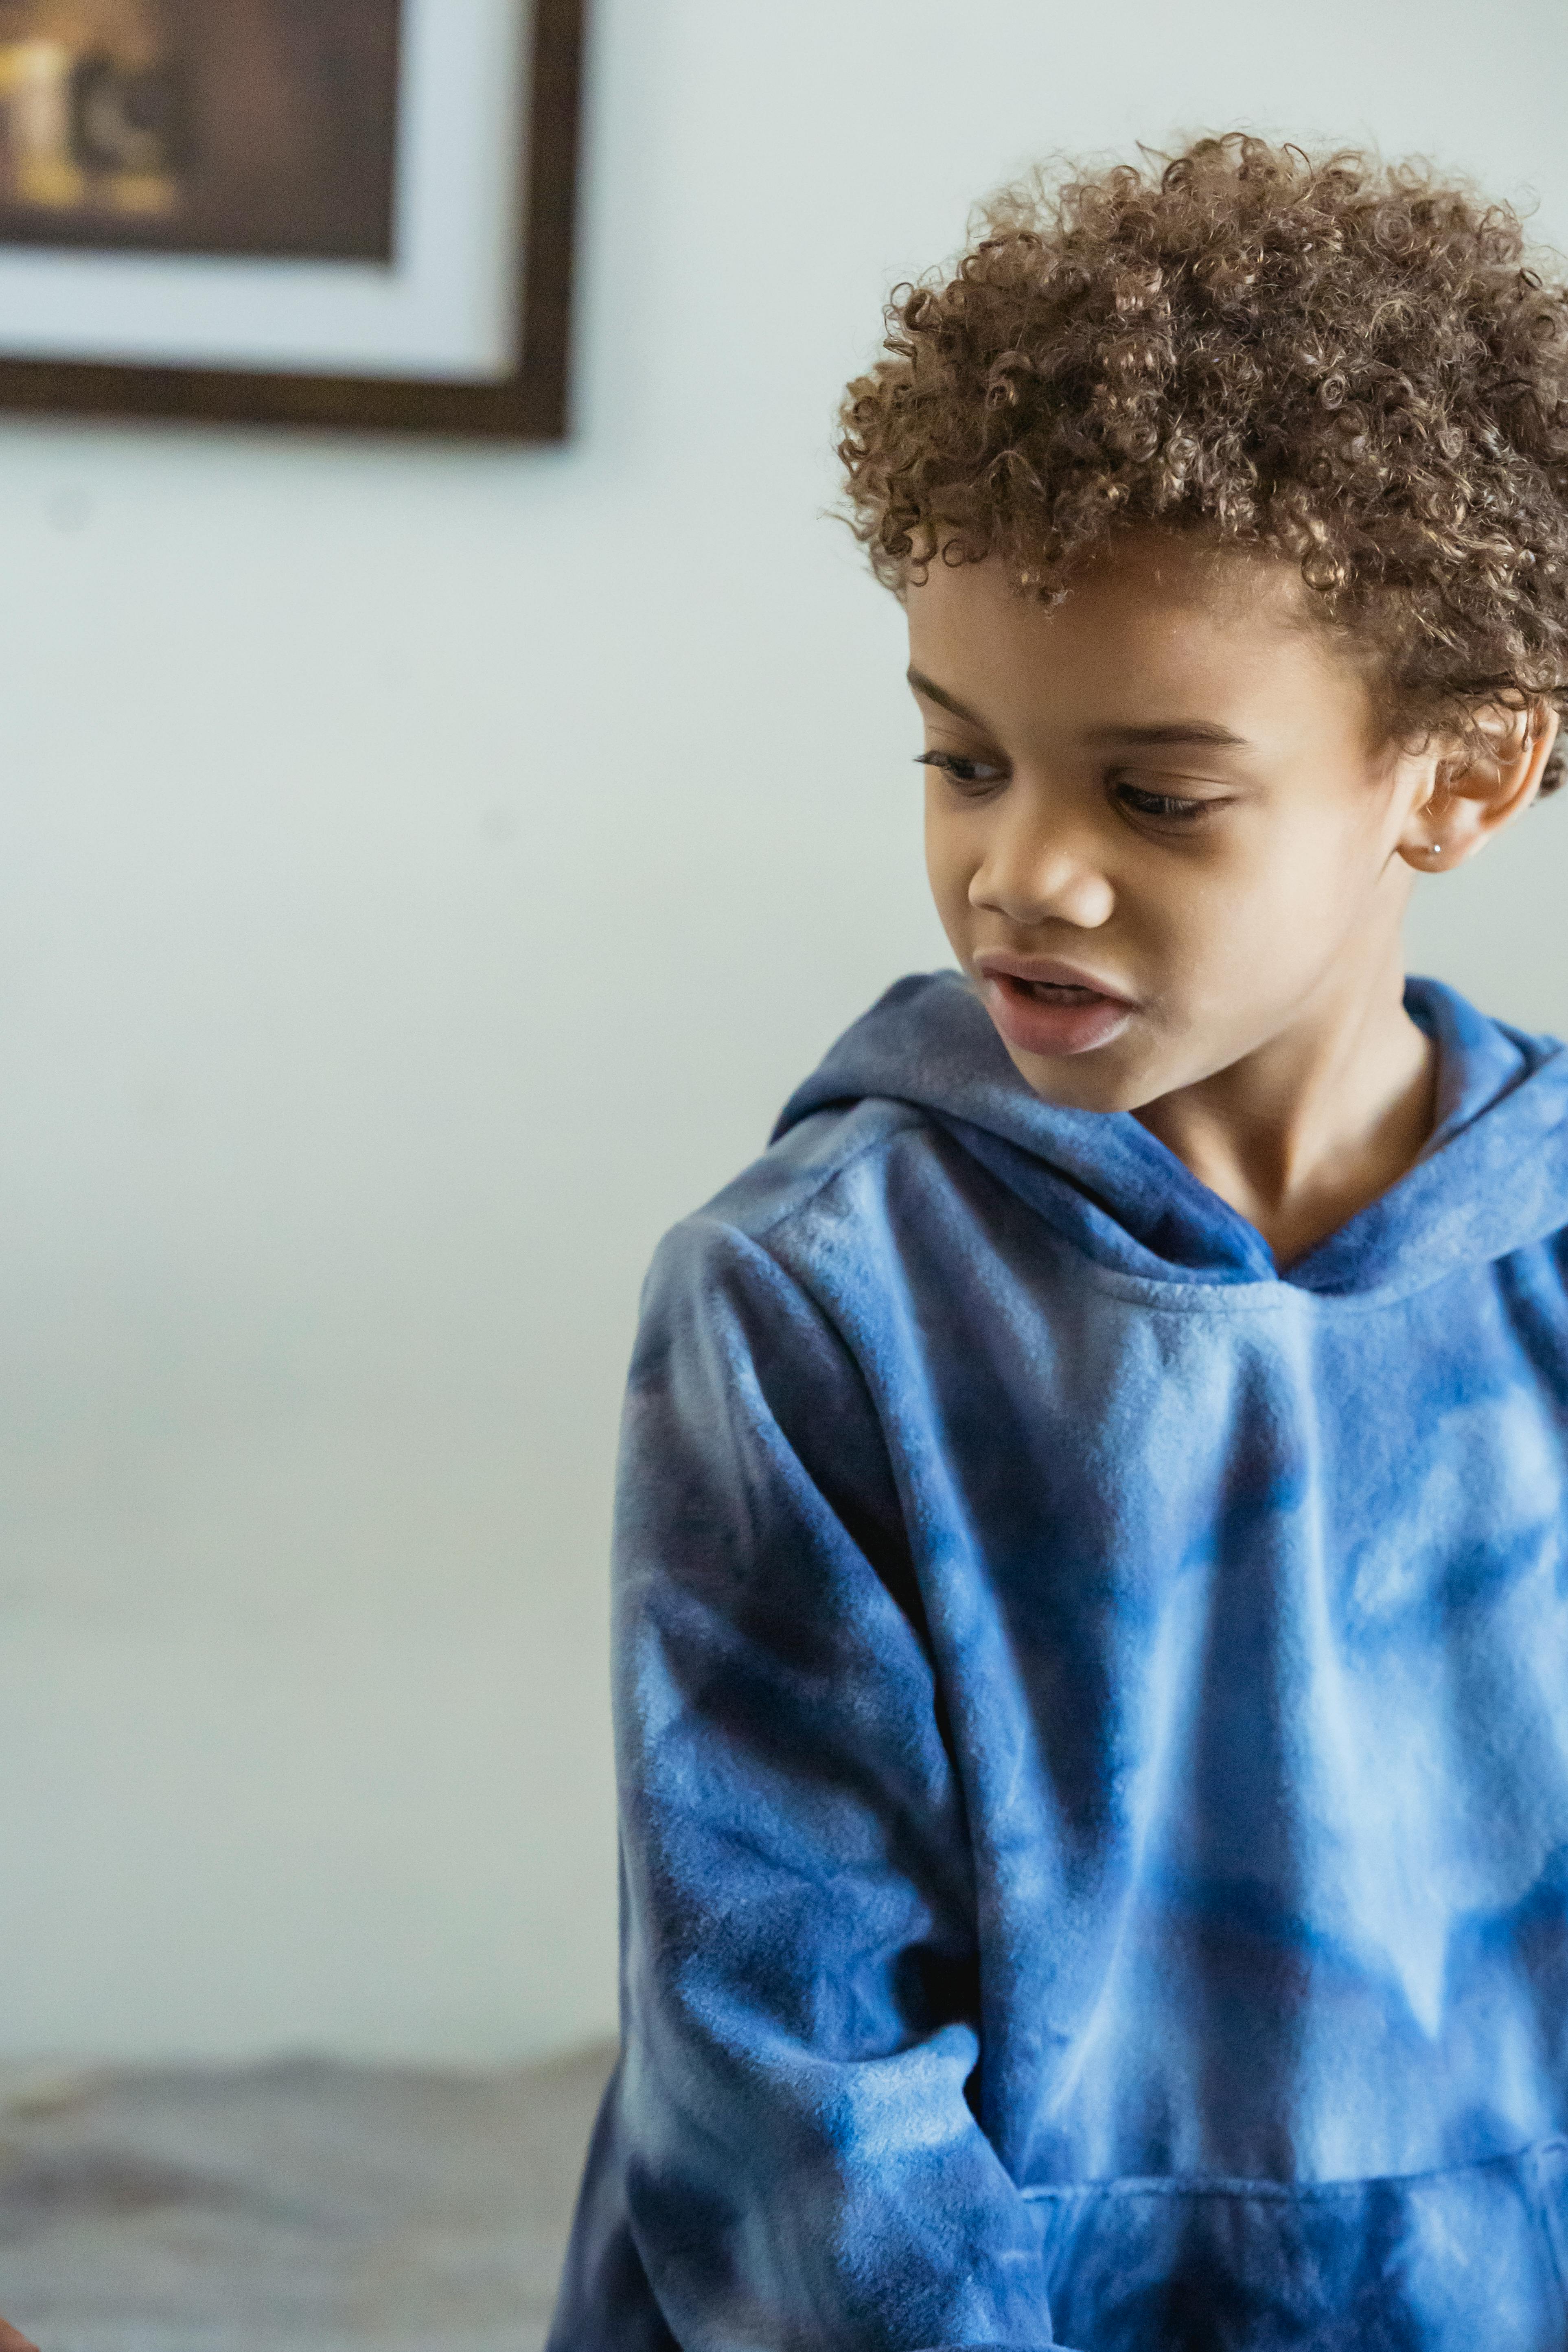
1473, 793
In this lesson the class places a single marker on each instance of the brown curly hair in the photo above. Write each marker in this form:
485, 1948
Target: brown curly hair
1357, 365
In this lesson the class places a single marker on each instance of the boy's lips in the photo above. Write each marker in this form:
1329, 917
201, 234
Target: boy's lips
1043, 1006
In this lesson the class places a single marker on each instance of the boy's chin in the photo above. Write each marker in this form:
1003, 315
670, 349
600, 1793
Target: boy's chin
1100, 1080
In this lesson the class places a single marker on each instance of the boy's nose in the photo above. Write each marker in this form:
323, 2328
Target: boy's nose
1031, 875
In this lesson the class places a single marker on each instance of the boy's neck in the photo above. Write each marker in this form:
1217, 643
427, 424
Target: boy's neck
1315, 1125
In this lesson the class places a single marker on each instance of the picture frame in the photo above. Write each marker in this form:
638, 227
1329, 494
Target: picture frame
432, 296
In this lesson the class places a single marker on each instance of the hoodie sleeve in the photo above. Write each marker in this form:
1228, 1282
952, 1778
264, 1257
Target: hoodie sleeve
786, 2158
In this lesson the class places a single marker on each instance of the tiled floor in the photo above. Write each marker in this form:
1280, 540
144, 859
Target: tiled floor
298, 2206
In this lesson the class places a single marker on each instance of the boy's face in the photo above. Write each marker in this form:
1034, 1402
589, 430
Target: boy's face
1161, 828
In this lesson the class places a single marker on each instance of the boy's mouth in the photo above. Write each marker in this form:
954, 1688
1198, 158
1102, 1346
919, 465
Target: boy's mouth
1056, 992
1046, 1008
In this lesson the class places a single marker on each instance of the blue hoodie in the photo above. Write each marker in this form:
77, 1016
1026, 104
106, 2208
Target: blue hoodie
1093, 1737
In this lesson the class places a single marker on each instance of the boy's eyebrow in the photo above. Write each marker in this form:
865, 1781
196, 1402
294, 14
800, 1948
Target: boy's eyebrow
929, 688
1173, 731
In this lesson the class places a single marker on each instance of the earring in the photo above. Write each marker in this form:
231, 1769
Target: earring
1433, 849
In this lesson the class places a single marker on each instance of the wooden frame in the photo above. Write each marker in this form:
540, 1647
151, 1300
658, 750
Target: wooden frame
530, 404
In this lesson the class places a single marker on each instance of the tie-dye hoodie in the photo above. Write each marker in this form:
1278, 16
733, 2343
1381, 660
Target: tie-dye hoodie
1093, 1737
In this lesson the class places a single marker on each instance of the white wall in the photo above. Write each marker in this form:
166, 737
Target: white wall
422, 874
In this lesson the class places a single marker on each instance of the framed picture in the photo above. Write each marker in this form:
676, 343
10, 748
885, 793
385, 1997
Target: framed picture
345, 213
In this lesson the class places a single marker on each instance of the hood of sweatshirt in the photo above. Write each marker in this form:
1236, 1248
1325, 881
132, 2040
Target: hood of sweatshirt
1492, 1178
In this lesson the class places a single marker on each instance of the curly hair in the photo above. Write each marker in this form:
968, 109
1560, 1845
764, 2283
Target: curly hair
1355, 365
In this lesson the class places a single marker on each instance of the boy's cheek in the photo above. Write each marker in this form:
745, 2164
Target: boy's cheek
954, 851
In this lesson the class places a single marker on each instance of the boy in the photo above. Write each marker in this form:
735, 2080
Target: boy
1092, 1597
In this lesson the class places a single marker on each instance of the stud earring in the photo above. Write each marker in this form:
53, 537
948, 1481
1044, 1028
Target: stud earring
1433, 849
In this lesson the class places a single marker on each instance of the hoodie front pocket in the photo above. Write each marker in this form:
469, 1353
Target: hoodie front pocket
1439, 2262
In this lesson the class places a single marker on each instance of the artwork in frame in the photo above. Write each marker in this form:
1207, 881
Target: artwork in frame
348, 212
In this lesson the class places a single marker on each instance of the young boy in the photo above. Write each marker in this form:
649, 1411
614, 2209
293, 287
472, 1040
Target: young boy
1092, 1601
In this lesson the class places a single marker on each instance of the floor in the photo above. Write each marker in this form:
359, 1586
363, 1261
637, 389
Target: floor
295, 2207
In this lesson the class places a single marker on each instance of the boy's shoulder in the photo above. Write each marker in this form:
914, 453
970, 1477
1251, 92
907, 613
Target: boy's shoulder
805, 1166
923, 1053
881, 1099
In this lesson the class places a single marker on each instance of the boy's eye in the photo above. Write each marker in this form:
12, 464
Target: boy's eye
1169, 807
969, 776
